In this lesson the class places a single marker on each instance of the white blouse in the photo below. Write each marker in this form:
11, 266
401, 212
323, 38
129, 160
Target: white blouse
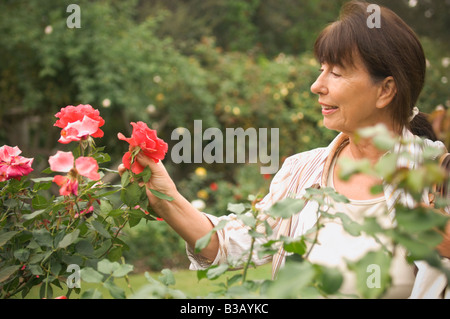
335, 246
298, 173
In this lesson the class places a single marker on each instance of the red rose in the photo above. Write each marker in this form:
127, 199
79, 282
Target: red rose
146, 140
78, 122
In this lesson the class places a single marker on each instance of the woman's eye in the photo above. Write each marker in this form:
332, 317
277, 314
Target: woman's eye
335, 73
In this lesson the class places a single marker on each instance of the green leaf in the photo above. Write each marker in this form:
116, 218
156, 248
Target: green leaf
296, 246
42, 183
89, 274
100, 229
419, 219
125, 178
33, 215
43, 237
384, 142
431, 237
39, 202
123, 270
372, 274
387, 165
69, 239
133, 194
161, 195
286, 207
7, 272
216, 271
236, 208
105, 206
350, 226
102, 157
201, 274
329, 280
417, 249
107, 267
115, 291
5, 237
116, 212
22, 254
46, 290
167, 277
204, 241
146, 174
85, 248
248, 220
91, 294
288, 283
350, 167
115, 253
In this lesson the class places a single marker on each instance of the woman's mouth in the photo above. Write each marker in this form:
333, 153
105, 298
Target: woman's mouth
328, 109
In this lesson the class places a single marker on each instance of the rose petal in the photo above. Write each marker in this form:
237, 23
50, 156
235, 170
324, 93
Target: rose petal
129, 140
88, 167
60, 180
67, 186
8, 152
126, 160
61, 161
137, 168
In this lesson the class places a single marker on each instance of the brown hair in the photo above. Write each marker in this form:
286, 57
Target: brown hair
393, 49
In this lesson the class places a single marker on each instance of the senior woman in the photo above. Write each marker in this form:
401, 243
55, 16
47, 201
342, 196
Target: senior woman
367, 76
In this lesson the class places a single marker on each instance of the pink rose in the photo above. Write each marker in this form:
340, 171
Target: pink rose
146, 140
64, 162
12, 165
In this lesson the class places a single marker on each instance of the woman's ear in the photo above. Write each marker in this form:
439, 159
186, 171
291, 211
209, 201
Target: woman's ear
387, 92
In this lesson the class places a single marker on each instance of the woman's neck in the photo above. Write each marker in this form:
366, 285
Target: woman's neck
359, 148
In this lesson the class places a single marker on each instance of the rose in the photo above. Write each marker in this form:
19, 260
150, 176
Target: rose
145, 140
79, 122
79, 130
12, 165
64, 162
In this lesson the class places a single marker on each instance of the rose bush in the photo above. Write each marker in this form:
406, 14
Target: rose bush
42, 235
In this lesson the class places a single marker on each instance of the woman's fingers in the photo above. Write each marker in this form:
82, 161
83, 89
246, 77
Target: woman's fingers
121, 169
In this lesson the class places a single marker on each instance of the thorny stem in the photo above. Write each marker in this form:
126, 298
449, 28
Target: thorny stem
115, 236
249, 259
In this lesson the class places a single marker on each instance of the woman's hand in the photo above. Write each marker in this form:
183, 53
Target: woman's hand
159, 180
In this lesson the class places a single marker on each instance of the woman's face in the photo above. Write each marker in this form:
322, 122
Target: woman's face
349, 98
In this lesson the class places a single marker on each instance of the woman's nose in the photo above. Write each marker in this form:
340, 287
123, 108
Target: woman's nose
319, 87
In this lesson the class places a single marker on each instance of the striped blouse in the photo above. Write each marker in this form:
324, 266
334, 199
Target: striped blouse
298, 173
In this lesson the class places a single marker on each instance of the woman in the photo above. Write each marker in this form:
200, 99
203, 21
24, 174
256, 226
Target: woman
367, 76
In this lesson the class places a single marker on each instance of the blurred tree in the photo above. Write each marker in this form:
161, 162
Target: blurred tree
111, 62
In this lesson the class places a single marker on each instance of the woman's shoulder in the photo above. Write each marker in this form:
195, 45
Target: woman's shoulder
316, 154
305, 156
311, 159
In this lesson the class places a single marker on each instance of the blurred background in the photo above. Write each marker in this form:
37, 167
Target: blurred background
229, 63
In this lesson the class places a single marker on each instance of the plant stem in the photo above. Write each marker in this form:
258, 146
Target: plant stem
115, 236
249, 259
